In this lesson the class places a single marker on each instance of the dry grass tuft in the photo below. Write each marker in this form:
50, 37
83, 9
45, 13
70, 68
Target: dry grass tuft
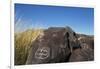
23, 42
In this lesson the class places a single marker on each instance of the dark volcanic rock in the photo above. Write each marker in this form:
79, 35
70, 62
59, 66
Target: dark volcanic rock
82, 55
59, 44
86, 52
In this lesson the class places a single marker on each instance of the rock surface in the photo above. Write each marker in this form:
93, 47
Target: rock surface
59, 44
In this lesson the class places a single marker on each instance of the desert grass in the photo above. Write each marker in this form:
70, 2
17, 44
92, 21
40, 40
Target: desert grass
23, 41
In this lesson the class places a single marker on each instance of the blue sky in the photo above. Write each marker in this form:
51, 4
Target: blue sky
42, 16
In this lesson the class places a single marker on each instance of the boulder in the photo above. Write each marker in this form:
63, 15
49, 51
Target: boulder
86, 52
52, 46
60, 44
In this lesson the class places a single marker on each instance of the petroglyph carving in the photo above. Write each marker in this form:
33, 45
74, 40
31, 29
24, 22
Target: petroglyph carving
42, 53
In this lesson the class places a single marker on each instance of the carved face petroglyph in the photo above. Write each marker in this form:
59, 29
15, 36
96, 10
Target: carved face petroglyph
42, 53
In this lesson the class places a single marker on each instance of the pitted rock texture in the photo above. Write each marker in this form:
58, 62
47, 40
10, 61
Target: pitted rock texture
59, 44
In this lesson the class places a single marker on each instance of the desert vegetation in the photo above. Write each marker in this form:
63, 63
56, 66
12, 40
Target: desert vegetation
27, 42
23, 42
